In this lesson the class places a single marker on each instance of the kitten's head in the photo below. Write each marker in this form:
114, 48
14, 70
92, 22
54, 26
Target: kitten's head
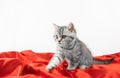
63, 32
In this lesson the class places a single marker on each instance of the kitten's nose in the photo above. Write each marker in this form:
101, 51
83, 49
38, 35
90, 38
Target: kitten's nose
59, 41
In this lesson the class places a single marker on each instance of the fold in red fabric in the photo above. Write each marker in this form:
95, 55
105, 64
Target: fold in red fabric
29, 64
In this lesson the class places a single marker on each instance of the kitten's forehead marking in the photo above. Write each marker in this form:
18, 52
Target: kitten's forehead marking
61, 30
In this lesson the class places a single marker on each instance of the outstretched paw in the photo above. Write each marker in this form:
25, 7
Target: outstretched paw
49, 69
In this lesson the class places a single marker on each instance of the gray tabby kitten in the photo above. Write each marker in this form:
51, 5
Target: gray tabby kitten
71, 49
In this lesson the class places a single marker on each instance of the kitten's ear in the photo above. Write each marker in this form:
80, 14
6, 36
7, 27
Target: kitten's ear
71, 27
55, 26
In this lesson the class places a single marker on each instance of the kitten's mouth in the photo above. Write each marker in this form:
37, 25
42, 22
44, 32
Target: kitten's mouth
59, 42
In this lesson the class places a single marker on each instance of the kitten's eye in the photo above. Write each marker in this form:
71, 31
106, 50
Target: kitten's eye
64, 36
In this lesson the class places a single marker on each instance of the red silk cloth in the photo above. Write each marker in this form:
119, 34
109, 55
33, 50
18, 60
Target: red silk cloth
29, 64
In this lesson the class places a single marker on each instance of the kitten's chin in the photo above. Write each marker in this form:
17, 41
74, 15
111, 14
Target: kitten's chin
58, 43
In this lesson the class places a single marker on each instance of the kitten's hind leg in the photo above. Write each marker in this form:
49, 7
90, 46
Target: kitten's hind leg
83, 66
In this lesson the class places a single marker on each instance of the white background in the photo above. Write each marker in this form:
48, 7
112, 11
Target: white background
27, 24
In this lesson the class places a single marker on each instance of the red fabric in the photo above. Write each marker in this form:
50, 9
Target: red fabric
28, 64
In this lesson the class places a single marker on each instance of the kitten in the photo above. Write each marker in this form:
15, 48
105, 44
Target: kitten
71, 49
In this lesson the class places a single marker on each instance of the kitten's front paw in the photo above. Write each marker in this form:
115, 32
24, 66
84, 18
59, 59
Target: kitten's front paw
49, 68
83, 67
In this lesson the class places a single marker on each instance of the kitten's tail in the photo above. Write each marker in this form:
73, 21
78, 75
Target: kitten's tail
95, 61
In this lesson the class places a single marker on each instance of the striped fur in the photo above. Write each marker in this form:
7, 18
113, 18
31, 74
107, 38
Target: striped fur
71, 49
